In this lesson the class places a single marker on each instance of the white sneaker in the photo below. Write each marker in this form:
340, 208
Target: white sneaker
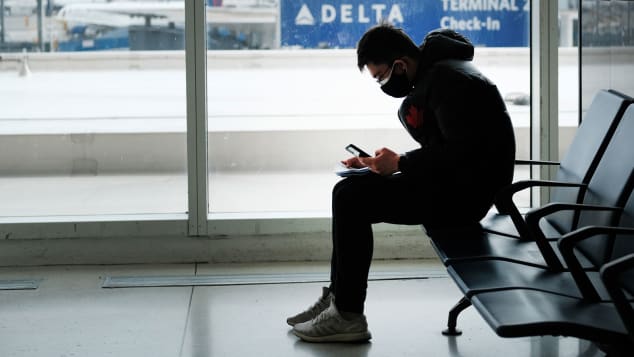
313, 311
330, 326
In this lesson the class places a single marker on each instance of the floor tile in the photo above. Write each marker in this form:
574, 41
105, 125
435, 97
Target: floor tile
70, 314
405, 318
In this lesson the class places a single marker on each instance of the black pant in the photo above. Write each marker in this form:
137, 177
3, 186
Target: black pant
357, 203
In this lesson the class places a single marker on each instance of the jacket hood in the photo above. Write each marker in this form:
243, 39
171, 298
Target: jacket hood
444, 44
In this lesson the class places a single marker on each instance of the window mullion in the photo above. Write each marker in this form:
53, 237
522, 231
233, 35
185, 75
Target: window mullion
196, 68
544, 90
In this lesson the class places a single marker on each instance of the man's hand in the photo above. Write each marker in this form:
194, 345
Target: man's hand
385, 162
353, 163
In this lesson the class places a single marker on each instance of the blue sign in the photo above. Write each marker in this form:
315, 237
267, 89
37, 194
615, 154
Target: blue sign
341, 23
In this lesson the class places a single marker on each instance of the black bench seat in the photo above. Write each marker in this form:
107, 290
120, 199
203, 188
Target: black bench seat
528, 312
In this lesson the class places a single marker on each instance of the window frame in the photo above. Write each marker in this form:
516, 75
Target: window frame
198, 222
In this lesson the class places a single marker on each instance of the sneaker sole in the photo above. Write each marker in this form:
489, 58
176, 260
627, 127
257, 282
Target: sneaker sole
340, 337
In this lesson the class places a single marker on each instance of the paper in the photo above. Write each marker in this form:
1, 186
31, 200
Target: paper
343, 171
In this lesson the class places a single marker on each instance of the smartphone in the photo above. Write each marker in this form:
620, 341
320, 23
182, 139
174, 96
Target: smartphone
354, 150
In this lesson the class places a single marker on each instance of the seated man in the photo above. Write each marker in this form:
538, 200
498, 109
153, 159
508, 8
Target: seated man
466, 154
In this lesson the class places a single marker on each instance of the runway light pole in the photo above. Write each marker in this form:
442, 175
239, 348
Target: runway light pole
2, 22
40, 26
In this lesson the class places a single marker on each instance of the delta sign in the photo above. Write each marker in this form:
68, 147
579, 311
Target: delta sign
340, 23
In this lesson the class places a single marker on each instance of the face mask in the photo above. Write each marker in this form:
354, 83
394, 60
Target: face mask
397, 85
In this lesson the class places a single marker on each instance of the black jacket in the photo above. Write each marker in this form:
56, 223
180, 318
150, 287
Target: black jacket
460, 120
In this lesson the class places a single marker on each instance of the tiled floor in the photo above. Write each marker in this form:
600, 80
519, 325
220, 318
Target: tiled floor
71, 314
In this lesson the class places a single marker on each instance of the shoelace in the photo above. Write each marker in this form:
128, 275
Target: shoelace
318, 305
322, 317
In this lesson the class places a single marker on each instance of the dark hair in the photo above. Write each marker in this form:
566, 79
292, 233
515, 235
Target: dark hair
384, 43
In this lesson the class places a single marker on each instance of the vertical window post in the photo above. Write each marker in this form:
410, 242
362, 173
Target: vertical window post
544, 90
196, 74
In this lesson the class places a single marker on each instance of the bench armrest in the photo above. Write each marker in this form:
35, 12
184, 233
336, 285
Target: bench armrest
611, 275
536, 162
504, 198
505, 205
532, 222
567, 244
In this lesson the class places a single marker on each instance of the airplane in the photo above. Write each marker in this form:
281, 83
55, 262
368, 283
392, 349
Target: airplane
98, 19
19, 7
127, 13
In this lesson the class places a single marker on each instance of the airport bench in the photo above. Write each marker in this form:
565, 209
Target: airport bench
509, 282
526, 312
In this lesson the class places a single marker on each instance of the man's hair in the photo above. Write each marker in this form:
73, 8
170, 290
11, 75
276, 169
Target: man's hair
384, 43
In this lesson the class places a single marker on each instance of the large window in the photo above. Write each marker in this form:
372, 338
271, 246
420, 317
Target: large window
286, 102
232, 108
93, 109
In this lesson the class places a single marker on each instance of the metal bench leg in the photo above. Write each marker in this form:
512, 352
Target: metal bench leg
453, 317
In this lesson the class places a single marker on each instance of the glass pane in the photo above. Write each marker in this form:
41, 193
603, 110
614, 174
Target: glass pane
568, 73
607, 56
93, 108
283, 107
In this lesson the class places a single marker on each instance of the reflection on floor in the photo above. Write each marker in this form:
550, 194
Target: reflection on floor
72, 314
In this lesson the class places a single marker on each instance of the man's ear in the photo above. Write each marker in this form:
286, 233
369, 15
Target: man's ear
401, 64
410, 67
